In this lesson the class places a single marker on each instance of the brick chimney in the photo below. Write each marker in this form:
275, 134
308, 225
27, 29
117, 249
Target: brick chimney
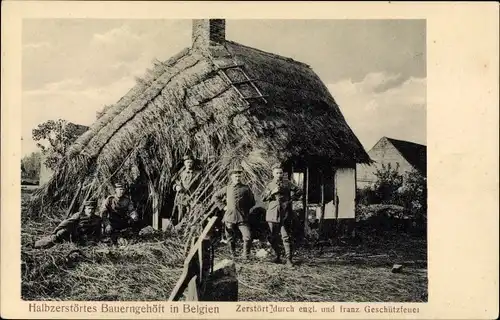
207, 30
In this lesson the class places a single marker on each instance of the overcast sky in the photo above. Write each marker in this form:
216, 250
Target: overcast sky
375, 69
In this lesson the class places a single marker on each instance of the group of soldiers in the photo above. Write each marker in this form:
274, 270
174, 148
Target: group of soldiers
235, 200
116, 215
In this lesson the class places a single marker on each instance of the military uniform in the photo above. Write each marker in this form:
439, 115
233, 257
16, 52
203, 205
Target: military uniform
188, 181
118, 213
238, 199
80, 228
279, 195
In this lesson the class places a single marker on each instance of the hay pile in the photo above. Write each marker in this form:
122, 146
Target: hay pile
143, 268
137, 271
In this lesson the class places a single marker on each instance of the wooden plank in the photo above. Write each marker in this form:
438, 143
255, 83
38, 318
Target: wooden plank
238, 66
190, 269
243, 81
256, 97
205, 232
192, 264
231, 66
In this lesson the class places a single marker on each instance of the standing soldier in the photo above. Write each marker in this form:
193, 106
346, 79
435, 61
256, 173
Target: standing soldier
279, 194
185, 186
118, 213
237, 199
81, 227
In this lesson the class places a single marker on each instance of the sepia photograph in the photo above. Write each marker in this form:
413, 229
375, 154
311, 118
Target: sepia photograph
224, 160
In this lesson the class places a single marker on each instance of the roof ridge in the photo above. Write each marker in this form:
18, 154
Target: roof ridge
274, 55
405, 141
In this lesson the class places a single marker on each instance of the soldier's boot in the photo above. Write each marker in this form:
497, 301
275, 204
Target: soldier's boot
46, 242
114, 238
288, 254
277, 251
232, 248
278, 258
247, 247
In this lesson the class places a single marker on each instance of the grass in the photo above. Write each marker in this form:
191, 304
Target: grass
147, 269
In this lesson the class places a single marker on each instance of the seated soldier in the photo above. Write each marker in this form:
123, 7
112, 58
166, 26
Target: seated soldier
118, 213
81, 227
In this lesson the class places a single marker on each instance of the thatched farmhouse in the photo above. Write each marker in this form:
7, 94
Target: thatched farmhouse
404, 155
226, 104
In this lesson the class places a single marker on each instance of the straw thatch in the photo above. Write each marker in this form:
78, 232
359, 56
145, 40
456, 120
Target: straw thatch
185, 104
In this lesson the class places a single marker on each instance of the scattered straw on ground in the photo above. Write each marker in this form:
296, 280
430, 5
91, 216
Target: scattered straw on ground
351, 273
147, 270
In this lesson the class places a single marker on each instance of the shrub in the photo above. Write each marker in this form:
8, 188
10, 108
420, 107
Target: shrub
366, 196
30, 166
394, 197
413, 195
60, 135
385, 189
388, 182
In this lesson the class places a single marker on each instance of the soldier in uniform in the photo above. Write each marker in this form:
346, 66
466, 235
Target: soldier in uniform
187, 181
279, 194
81, 227
118, 213
237, 199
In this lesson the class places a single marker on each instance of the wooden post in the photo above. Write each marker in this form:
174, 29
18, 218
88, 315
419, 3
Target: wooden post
336, 202
87, 196
322, 217
352, 223
73, 202
156, 219
205, 258
322, 195
306, 199
164, 224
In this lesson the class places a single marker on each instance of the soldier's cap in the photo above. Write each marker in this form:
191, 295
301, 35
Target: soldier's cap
90, 203
277, 166
187, 157
119, 186
235, 170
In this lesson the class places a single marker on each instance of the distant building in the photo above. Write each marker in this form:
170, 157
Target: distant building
46, 172
403, 154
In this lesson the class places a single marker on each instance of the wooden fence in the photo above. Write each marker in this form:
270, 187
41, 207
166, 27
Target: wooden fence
197, 266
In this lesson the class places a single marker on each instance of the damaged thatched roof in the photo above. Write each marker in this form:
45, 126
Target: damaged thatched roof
300, 117
186, 104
